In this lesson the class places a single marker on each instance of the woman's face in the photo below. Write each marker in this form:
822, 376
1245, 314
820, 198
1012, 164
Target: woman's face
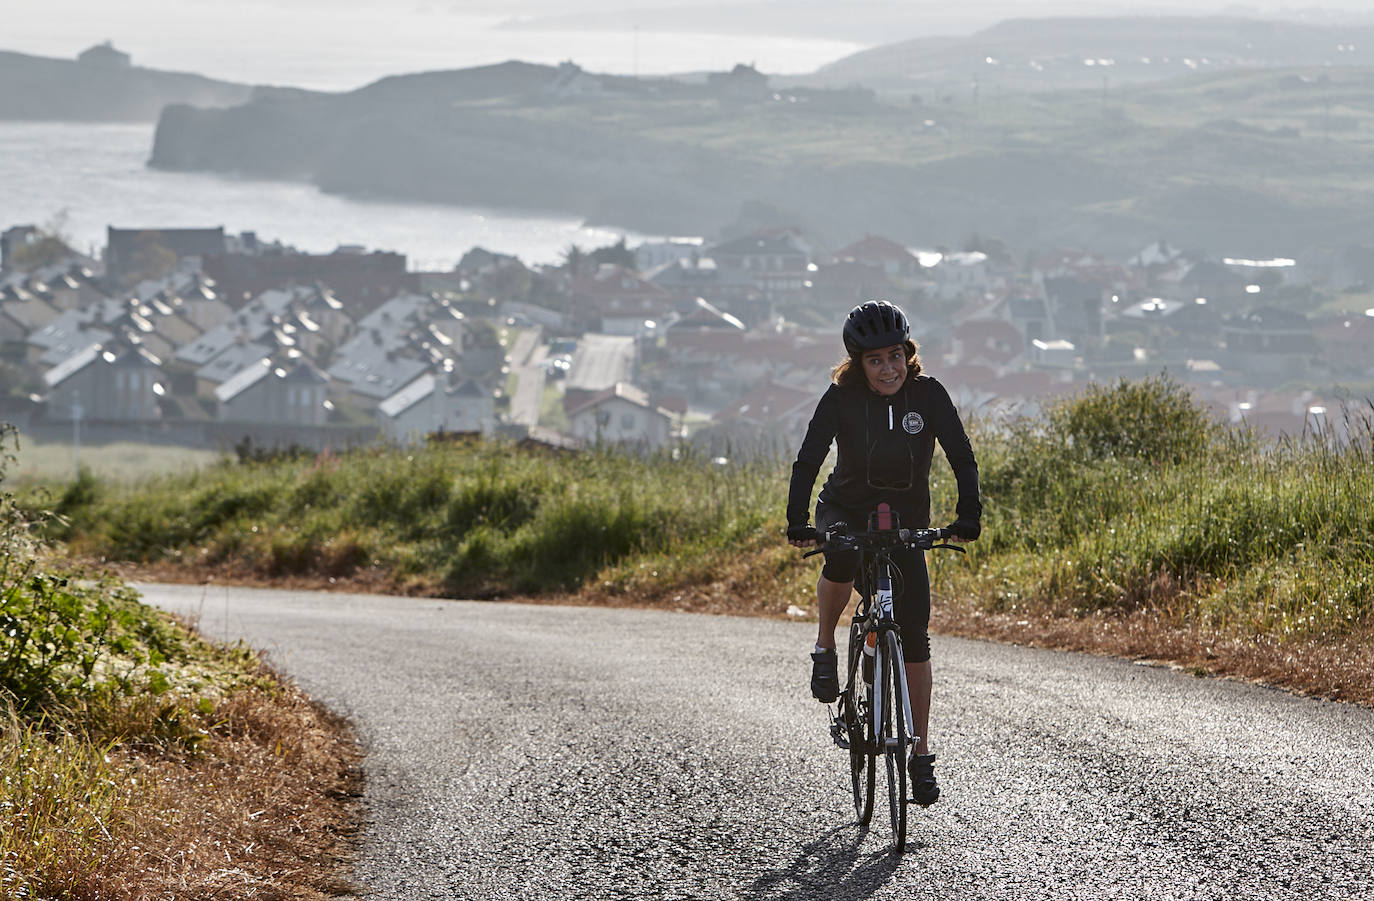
885, 368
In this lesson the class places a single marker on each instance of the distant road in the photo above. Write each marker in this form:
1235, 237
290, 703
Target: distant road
527, 362
548, 752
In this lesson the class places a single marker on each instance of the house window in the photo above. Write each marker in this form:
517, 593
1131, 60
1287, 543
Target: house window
627, 421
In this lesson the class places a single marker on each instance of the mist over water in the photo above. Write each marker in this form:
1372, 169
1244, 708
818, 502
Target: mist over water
346, 48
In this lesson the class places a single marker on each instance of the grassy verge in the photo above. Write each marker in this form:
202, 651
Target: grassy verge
1123, 522
142, 761
122, 460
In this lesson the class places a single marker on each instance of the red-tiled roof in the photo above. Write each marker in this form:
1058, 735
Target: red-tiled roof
971, 375
767, 403
872, 248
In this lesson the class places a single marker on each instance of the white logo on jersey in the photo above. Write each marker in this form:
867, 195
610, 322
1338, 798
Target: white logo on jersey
913, 423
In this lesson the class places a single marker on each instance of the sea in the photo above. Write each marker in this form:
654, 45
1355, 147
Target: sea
82, 177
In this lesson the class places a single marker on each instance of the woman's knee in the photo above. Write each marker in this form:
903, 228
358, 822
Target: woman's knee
915, 645
840, 566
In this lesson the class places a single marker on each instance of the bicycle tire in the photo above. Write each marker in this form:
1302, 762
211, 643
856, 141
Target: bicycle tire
858, 704
894, 727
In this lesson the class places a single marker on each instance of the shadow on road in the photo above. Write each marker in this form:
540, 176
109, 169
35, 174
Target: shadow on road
830, 867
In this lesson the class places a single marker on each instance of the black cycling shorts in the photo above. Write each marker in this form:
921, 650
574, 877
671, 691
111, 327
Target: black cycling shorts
911, 582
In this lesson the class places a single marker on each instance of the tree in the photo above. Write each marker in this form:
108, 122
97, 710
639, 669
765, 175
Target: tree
151, 259
574, 259
510, 281
995, 248
48, 244
45, 250
616, 253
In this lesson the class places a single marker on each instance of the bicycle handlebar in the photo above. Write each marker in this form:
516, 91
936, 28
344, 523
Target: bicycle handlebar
922, 539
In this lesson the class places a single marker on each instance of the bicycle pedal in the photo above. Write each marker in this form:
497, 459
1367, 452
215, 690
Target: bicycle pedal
838, 734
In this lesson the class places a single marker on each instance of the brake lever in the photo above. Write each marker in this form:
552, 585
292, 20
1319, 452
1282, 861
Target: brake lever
949, 547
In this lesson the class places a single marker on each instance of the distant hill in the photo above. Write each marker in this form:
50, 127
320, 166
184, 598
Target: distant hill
44, 88
1251, 161
1050, 54
861, 21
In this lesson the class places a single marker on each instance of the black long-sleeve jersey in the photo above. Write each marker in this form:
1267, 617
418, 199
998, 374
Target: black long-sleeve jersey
885, 445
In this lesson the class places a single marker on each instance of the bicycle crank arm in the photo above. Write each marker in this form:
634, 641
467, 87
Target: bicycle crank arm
838, 733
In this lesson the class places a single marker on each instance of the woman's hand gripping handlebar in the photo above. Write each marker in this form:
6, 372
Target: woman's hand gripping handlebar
839, 539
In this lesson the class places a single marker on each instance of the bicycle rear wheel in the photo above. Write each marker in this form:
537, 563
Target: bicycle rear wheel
894, 738
858, 711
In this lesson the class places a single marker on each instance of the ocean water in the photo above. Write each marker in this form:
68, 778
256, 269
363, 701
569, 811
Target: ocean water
86, 177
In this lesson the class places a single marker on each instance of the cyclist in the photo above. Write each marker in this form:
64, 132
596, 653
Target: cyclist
884, 417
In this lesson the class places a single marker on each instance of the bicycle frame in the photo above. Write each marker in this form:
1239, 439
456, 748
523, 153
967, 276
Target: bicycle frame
880, 619
876, 610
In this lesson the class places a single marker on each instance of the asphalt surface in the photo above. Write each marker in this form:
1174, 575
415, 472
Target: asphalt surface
547, 752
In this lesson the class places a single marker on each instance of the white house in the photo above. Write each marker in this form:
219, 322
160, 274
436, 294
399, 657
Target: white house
1057, 354
427, 405
652, 254
959, 273
622, 414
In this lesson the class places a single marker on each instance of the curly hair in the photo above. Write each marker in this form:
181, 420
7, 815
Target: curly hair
849, 372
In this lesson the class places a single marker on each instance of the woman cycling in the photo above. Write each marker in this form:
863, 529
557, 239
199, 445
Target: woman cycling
884, 417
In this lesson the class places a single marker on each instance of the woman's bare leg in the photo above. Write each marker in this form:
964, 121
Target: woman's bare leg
831, 599
918, 680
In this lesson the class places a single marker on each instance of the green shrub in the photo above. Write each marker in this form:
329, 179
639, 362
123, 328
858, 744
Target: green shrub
1152, 419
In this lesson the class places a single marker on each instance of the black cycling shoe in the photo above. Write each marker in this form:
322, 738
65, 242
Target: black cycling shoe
924, 789
825, 675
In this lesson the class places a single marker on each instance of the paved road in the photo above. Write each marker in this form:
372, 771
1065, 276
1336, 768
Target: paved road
545, 752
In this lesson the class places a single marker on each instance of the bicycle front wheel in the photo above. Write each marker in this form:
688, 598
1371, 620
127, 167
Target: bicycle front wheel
858, 712
895, 739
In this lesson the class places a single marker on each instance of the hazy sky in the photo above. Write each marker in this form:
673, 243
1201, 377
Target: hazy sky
967, 14
342, 44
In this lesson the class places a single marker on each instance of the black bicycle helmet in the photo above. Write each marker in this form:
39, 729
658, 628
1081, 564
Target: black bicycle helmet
875, 324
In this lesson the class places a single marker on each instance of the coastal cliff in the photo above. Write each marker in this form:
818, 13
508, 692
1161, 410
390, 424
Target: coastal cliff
44, 88
1228, 163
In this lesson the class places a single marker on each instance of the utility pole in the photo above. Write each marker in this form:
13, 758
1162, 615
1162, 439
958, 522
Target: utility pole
76, 434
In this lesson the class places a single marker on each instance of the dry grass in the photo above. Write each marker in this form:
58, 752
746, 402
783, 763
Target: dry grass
266, 808
1335, 668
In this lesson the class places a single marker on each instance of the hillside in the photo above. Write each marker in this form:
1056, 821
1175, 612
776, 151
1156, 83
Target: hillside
1249, 161
1034, 55
44, 88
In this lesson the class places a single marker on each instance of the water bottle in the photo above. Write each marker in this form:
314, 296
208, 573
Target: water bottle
870, 645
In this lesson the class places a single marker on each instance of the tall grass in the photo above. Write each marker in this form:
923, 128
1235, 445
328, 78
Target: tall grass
478, 519
1126, 498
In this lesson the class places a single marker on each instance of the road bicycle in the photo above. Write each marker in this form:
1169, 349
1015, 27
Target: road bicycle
873, 713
